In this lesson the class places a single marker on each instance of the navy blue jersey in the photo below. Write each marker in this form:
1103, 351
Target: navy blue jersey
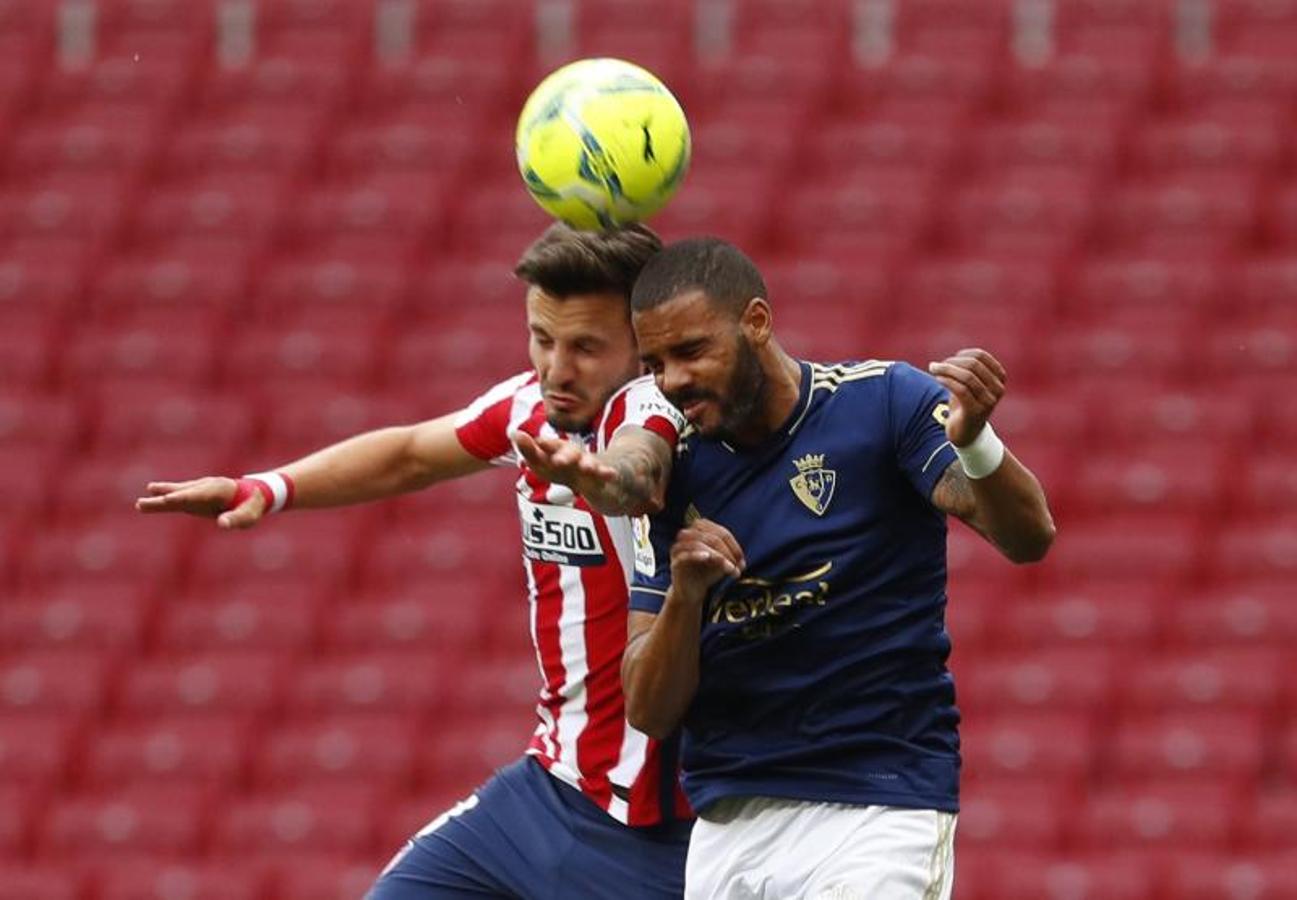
823, 671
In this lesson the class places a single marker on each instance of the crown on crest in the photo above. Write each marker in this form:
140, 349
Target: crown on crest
810, 462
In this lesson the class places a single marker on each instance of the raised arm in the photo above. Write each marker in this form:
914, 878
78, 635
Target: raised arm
987, 487
367, 467
628, 478
660, 666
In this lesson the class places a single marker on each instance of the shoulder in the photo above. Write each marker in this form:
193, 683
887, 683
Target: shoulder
850, 379
639, 402
502, 400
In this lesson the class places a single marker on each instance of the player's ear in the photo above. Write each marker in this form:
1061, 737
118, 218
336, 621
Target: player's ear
757, 321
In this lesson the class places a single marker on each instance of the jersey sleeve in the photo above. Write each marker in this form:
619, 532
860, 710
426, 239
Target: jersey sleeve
919, 405
483, 426
642, 405
654, 536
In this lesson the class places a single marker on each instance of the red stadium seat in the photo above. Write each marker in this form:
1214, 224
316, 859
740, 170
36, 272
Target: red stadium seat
287, 625
1148, 818
21, 494
421, 620
1045, 876
1120, 348
497, 222
1224, 746
35, 749
1052, 143
391, 212
28, 349
385, 682
142, 553
322, 820
40, 881
190, 751
1203, 214
404, 143
1059, 746
247, 206
914, 79
1013, 814
455, 283
1227, 679
781, 78
1089, 86
271, 140
326, 877
467, 750
203, 684
1113, 615
993, 286
47, 422
1261, 547
850, 144
140, 351
1166, 476
1065, 680
432, 84
728, 200
304, 81
1225, 876
303, 354
1041, 415
53, 682
105, 488
1143, 412
1272, 823
97, 140
148, 420
1244, 614
113, 617
86, 207
42, 276
1126, 547
108, 826
432, 554
163, 879
1210, 143
874, 215
186, 277
1023, 212
374, 749
281, 551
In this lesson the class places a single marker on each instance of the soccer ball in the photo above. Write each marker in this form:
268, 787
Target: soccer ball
602, 142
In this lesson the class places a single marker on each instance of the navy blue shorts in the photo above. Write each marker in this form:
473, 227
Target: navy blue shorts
526, 835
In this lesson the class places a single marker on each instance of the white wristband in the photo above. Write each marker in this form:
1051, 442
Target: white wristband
279, 488
984, 455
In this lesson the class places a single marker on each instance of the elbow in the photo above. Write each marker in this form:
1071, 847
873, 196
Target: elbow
643, 718
1036, 547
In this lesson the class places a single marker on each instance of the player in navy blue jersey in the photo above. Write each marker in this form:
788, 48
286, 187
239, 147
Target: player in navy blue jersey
789, 601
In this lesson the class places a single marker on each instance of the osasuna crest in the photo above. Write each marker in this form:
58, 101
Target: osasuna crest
813, 484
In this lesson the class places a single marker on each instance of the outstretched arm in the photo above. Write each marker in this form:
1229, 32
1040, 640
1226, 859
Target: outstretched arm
628, 478
367, 467
1005, 503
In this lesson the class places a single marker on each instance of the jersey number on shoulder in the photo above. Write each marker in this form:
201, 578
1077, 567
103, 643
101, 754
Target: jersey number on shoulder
560, 535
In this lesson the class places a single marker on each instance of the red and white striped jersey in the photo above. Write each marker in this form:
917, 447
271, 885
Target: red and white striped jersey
578, 566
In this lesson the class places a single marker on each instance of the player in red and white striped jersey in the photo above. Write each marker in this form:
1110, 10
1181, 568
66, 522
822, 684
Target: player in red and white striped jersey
593, 809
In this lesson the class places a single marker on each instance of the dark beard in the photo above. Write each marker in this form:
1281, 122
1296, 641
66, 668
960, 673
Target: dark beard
745, 394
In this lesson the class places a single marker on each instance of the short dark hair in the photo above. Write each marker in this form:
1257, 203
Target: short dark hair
564, 261
708, 264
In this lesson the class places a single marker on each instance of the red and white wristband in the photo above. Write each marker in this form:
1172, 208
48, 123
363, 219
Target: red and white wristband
275, 487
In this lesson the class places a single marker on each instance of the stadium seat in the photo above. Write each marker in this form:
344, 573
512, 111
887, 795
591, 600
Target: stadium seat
1127, 546
303, 353
151, 878
98, 140
413, 619
35, 749
144, 820
1023, 213
849, 144
1147, 817
1041, 876
1270, 824
40, 881
105, 488
433, 553
1074, 680
1189, 215
1012, 814
111, 618
468, 750
1150, 282
286, 625
1144, 412
88, 208
270, 140
389, 212
411, 682
229, 683
62, 682
1028, 745
1210, 143
1161, 477
140, 351
1120, 616
725, 199
1228, 747
281, 551
42, 276
914, 79
1261, 547
267, 825
877, 215
1050, 143
143, 553
1231, 678
1225, 876
327, 877
1121, 348
431, 84
202, 277
38, 420
1090, 87
1244, 614
28, 349
375, 749
246, 205
186, 751
22, 494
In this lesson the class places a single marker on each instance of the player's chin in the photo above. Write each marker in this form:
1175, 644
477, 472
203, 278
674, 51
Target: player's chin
569, 420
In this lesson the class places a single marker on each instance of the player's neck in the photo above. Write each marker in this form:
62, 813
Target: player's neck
783, 384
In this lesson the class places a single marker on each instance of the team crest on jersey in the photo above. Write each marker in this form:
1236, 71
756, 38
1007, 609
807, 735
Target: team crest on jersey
813, 484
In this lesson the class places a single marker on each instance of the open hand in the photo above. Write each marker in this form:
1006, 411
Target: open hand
976, 382
208, 497
563, 462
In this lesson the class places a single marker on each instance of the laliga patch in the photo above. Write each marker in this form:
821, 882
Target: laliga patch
645, 559
559, 534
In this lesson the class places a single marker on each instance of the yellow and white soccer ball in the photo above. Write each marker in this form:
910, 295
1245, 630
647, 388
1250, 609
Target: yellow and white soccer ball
602, 142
